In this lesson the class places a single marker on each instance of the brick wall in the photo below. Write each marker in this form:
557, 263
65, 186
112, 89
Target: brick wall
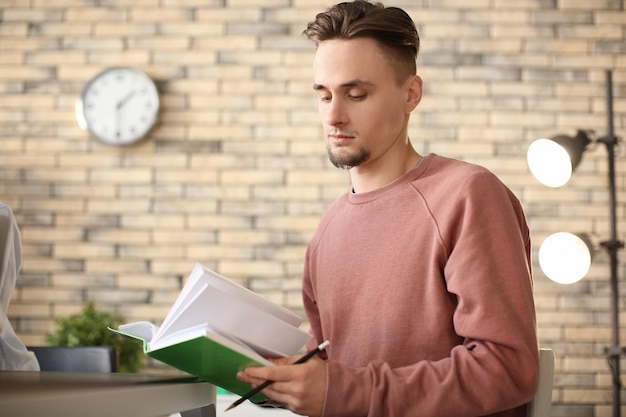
235, 175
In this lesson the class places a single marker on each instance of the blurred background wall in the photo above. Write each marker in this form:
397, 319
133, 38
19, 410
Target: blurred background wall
235, 175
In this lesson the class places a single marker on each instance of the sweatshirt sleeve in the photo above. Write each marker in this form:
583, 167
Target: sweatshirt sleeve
495, 369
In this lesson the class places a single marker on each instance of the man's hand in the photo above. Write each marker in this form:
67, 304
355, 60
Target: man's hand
302, 388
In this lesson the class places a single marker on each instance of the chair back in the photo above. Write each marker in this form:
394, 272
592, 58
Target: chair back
76, 359
541, 403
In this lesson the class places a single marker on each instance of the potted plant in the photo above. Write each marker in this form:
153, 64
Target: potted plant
89, 328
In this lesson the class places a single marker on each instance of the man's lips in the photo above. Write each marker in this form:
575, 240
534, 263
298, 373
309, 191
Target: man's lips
339, 138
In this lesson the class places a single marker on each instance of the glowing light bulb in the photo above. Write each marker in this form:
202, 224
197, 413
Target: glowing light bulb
549, 162
565, 258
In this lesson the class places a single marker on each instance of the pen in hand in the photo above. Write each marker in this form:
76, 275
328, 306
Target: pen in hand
264, 385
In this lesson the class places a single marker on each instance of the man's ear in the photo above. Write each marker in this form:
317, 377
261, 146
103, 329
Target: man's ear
414, 93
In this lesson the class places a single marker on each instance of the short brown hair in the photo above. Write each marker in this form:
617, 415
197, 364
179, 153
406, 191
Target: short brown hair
391, 27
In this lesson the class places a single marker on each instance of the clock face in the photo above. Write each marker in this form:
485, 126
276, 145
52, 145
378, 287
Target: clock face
120, 106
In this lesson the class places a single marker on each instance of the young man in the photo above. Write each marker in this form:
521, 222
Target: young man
420, 275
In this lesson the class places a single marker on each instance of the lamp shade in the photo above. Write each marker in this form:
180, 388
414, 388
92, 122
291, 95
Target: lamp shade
552, 161
565, 258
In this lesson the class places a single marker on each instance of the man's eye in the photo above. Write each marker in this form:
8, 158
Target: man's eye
325, 99
357, 96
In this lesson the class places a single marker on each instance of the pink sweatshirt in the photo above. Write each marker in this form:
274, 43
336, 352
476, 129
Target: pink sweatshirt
424, 289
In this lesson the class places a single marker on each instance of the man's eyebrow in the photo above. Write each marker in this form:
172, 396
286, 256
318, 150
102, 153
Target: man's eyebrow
349, 84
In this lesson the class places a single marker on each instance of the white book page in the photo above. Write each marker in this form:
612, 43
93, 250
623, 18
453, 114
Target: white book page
205, 331
244, 294
141, 329
184, 314
230, 316
188, 293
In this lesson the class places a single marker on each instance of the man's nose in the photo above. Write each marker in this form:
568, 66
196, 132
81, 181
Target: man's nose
334, 113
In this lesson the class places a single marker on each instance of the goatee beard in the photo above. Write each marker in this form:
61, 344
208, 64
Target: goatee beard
344, 160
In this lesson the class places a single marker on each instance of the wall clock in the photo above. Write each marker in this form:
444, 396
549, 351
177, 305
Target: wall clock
119, 106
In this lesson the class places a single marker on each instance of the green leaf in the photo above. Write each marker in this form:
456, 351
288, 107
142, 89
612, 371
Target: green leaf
89, 328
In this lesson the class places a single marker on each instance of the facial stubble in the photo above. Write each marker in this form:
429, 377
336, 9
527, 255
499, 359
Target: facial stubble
346, 160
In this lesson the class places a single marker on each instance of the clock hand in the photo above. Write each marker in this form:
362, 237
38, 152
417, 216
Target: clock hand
118, 123
118, 107
124, 100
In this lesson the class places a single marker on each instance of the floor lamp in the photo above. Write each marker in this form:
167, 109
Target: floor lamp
552, 161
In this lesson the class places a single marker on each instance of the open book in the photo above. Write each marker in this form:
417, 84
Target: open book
217, 327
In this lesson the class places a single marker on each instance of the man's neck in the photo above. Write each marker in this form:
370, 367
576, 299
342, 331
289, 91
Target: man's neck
377, 174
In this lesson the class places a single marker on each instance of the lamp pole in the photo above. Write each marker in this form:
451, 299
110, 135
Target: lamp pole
612, 246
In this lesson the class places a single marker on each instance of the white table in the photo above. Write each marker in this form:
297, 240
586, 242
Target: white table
70, 394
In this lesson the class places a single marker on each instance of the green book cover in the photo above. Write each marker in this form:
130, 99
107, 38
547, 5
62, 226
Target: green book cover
210, 361
203, 353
